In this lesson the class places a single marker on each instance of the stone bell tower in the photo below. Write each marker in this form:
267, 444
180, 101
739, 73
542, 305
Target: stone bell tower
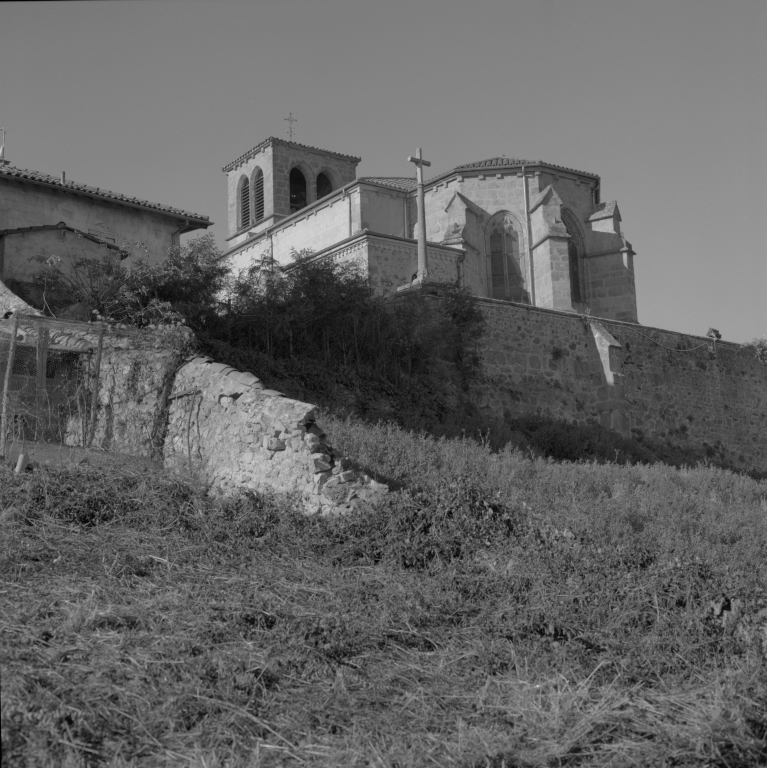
276, 179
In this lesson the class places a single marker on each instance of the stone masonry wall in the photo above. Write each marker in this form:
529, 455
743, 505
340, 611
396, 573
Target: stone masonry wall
28, 205
632, 378
135, 379
227, 428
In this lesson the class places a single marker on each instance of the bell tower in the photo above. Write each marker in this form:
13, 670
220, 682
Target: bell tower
277, 179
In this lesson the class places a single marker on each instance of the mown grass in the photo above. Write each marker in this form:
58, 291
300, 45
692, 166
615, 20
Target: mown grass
495, 610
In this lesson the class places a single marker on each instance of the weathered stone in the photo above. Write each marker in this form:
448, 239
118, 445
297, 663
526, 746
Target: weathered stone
275, 444
313, 429
321, 466
320, 479
348, 476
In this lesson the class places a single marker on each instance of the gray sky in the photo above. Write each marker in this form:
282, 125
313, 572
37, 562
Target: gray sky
665, 99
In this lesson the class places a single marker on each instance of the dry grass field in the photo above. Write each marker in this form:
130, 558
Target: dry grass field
495, 610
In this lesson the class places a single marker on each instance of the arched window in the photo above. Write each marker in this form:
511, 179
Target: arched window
244, 202
506, 264
575, 251
297, 190
258, 196
324, 187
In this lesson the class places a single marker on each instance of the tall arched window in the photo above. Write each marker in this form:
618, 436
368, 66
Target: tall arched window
258, 196
506, 264
244, 202
575, 251
324, 187
297, 190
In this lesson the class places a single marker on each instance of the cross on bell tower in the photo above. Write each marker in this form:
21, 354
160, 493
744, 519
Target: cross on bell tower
290, 120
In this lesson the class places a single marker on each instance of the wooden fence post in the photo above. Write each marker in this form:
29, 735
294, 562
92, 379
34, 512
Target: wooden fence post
43, 336
7, 385
95, 395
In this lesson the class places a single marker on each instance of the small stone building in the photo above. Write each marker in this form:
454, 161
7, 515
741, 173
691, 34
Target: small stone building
42, 215
514, 230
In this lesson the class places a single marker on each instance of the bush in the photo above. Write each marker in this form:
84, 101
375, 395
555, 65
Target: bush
183, 287
328, 312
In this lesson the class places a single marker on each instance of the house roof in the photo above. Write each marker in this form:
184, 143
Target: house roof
196, 220
397, 182
60, 225
244, 158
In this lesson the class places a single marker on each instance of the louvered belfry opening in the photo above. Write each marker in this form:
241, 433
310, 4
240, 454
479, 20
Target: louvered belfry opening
324, 187
258, 196
297, 190
244, 203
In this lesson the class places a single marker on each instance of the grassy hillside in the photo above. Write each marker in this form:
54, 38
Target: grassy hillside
495, 610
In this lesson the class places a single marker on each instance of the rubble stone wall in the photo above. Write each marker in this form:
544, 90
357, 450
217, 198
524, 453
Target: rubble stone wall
135, 378
224, 426
638, 380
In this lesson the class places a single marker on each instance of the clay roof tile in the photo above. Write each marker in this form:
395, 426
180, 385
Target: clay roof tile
24, 174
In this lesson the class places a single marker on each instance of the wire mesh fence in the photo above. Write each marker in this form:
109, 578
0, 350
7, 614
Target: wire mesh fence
49, 372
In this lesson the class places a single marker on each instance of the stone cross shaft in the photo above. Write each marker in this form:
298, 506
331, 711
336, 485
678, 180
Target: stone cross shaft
423, 264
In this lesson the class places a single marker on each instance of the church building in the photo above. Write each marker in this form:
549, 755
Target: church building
507, 229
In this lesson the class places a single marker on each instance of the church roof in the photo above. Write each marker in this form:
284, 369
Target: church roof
491, 162
510, 162
398, 182
244, 158
23, 174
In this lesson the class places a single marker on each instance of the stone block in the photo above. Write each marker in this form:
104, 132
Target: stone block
313, 429
275, 444
321, 466
319, 480
347, 477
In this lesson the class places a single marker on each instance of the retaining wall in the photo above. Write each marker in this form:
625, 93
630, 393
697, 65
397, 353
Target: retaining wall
635, 379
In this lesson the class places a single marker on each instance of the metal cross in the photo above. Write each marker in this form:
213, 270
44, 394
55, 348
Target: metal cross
290, 120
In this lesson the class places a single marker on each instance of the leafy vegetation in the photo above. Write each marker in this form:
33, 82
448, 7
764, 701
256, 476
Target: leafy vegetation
183, 287
496, 610
758, 347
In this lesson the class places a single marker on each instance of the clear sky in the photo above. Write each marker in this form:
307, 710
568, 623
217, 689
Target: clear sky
665, 99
